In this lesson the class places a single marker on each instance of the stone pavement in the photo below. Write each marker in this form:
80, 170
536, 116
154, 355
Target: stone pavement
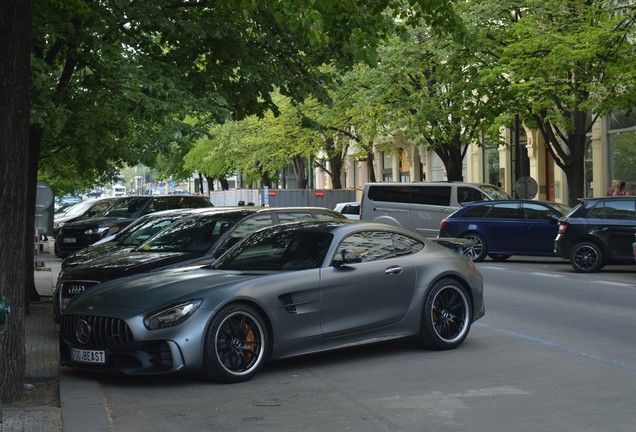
41, 351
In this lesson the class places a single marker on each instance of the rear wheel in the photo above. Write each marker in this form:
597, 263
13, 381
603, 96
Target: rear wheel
478, 250
447, 316
586, 257
236, 345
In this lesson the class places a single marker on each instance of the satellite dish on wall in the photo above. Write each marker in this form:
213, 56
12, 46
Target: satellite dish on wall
526, 187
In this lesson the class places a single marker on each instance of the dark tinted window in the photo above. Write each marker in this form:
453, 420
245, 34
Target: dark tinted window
432, 195
406, 245
620, 210
351, 209
476, 212
369, 245
537, 212
504, 211
468, 194
390, 193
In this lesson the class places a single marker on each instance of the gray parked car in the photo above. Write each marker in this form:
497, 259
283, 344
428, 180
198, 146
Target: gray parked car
285, 290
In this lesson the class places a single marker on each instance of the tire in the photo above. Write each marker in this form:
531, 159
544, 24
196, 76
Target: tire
447, 316
586, 257
499, 257
236, 345
478, 251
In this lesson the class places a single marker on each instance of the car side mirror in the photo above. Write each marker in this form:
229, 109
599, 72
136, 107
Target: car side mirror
347, 257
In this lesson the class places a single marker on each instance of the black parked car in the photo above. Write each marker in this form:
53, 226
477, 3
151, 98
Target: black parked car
78, 235
197, 239
597, 232
82, 210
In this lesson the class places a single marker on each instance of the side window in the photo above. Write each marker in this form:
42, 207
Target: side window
468, 194
536, 212
405, 245
292, 216
432, 195
98, 208
351, 209
620, 210
598, 211
390, 193
504, 211
251, 224
159, 204
476, 212
369, 245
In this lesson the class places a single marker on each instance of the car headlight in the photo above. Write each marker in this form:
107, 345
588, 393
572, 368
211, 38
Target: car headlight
99, 231
172, 316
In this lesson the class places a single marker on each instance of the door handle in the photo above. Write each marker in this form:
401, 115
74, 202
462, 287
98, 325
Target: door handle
393, 270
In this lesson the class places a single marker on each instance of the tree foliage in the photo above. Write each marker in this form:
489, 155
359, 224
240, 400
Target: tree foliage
561, 61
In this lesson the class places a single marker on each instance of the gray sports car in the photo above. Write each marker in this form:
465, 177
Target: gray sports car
283, 291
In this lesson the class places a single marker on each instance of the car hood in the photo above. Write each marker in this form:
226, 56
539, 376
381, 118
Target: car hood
82, 256
99, 222
123, 264
148, 292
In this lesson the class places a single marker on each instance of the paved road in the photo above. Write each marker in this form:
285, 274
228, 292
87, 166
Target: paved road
555, 352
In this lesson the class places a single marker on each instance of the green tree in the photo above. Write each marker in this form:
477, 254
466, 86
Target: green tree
561, 61
103, 73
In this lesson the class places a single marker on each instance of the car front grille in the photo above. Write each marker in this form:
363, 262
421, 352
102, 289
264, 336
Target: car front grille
103, 331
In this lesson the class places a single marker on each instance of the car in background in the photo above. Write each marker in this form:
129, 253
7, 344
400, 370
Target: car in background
351, 210
502, 228
78, 235
80, 211
65, 201
284, 291
597, 232
195, 239
130, 237
420, 207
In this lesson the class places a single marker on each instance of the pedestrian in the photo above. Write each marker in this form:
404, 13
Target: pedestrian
612, 189
620, 189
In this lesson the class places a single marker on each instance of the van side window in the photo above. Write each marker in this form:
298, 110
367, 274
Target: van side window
390, 193
432, 195
467, 194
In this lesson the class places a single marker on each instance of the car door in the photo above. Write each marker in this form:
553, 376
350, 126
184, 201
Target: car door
619, 227
367, 295
503, 229
539, 228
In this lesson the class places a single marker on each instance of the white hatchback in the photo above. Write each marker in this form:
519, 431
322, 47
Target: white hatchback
351, 210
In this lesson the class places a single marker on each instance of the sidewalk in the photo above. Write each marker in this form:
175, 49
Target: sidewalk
80, 404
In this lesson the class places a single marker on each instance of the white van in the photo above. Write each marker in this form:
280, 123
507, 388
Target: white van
119, 190
420, 207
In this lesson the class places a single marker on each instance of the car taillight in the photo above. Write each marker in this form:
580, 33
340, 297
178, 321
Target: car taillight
562, 227
442, 224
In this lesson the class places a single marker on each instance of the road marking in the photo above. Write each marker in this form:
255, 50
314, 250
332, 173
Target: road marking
550, 344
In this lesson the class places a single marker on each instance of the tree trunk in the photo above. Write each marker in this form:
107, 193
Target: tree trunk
300, 171
370, 167
15, 39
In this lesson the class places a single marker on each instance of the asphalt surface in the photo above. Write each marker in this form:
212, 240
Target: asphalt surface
80, 402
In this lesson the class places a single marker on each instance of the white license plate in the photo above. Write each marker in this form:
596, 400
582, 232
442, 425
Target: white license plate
88, 356
70, 240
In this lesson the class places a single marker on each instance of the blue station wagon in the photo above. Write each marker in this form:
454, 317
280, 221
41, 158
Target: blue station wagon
500, 229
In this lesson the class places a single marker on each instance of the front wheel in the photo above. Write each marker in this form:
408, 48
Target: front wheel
447, 316
236, 345
478, 250
586, 257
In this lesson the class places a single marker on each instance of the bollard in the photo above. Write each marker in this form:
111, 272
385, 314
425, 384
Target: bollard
4, 315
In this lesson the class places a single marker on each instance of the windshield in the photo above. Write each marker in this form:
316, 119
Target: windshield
125, 208
278, 250
495, 192
196, 234
140, 232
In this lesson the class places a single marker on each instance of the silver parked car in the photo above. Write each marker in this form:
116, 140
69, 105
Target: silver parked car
283, 291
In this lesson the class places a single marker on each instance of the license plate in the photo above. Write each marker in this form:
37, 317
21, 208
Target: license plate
88, 356
70, 240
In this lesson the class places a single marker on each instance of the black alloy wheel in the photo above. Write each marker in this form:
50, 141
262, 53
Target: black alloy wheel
237, 345
447, 316
586, 257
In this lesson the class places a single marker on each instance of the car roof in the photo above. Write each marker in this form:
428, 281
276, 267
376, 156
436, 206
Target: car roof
523, 201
